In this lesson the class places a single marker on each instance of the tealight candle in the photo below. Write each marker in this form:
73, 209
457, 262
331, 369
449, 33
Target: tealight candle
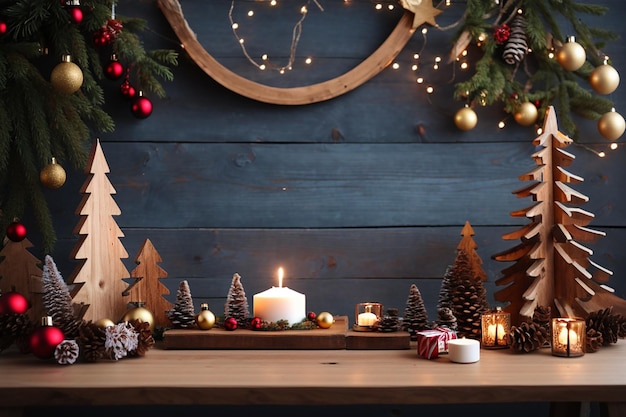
280, 303
495, 326
464, 350
568, 337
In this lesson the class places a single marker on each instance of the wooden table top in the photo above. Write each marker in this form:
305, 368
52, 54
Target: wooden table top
314, 377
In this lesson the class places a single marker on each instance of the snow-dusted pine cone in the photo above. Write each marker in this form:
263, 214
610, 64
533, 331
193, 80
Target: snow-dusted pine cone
66, 352
181, 319
145, 340
516, 46
527, 337
91, 339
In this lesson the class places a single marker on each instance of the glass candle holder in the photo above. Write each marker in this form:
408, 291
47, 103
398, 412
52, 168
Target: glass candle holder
367, 316
495, 327
568, 337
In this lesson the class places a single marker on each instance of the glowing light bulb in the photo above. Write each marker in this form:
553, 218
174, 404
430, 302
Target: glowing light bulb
308, 60
414, 67
464, 65
424, 31
419, 80
264, 57
378, 6
241, 40
262, 67
539, 131
430, 89
416, 56
250, 13
395, 65
273, 3
601, 154
613, 146
235, 26
501, 124
390, 7
304, 10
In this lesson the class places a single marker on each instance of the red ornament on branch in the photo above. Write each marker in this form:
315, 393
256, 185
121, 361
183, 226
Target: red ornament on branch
3, 27
73, 8
141, 107
127, 90
16, 231
114, 70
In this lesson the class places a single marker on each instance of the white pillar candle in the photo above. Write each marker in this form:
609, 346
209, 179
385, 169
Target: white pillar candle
279, 303
464, 350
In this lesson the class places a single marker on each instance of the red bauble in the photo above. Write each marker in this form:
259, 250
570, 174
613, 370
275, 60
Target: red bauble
127, 90
3, 27
141, 107
16, 231
44, 340
114, 70
102, 37
76, 14
13, 302
256, 323
230, 323
311, 316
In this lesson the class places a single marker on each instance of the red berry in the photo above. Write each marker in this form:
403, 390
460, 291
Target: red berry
230, 323
311, 315
256, 323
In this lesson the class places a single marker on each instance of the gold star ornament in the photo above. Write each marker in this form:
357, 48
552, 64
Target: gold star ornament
423, 11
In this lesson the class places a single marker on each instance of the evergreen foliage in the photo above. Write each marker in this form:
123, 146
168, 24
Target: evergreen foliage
538, 77
57, 300
39, 122
236, 301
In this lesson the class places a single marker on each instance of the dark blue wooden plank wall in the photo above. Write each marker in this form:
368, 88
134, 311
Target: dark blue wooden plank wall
357, 197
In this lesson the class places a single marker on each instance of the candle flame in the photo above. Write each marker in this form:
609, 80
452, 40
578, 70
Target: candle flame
280, 276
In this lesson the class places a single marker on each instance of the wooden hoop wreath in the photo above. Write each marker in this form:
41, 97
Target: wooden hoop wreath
309, 94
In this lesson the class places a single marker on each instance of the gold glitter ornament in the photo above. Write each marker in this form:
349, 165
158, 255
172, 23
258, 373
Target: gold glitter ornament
205, 319
604, 79
325, 320
52, 175
465, 119
66, 77
526, 114
611, 125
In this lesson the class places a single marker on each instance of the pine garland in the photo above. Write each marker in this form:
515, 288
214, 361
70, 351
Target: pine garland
539, 78
37, 121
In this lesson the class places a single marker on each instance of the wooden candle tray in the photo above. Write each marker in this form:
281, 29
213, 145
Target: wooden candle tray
335, 337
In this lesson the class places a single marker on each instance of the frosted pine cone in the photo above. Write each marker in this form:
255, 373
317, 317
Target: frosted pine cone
516, 46
66, 352
145, 341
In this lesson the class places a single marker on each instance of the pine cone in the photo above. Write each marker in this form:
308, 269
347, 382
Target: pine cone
145, 339
91, 339
516, 46
181, 319
527, 337
13, 326
606, 323
389, 322
66, 352
542, 316
445, 318
594, 341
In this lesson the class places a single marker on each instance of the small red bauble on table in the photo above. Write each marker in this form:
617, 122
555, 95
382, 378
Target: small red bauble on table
16, 231
44, 340
256, 323
311, 316
141, 107
13, 302
230, 323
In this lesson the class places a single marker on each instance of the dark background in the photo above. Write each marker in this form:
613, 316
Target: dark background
357, 197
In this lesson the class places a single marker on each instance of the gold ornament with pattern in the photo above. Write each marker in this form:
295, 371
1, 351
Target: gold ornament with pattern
52, 175
66, 77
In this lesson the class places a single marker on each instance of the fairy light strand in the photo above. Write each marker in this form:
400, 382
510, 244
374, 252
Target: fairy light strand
296, 32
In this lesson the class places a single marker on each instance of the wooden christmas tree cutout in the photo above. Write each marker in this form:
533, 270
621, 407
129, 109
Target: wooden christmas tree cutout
98, 280
552, 268
21, 271
147, 287
469, 246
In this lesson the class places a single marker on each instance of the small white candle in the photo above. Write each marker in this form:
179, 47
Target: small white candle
464, 350
280, 303
368, 318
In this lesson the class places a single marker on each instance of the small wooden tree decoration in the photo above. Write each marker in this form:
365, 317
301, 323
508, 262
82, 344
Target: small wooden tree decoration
552, 268
148, 287
98, 280
236, 301
58, 301
415, 316
21, 271
469, 246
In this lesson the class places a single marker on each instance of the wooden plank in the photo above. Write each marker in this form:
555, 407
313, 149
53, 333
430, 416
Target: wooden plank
331, 338
377, 340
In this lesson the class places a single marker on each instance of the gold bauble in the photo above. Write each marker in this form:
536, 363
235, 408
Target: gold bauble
52, 175
611, 125
465, 119
526, 114
604, 79
571, 55
205, 319
104, 323
325, 320
140, 313
66, 77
